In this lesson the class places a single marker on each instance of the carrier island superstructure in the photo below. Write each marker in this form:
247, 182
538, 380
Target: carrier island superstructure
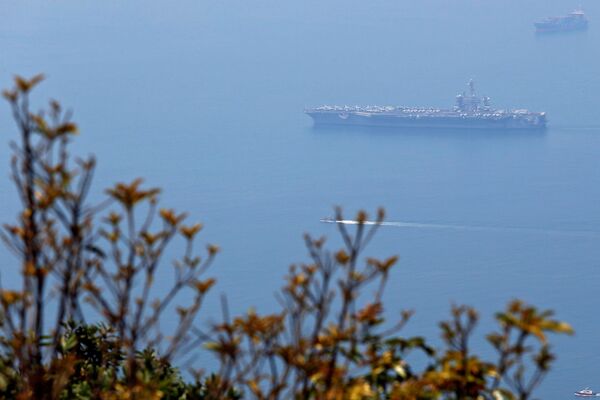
470, 112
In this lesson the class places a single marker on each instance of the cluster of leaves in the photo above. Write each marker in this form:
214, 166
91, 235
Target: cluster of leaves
331, 342
82, 265
85, 323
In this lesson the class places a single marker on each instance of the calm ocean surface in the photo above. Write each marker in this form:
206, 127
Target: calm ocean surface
205, 98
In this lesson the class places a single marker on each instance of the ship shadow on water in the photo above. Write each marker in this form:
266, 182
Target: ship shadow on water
447, 133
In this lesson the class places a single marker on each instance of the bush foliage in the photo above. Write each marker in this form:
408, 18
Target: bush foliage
85, 321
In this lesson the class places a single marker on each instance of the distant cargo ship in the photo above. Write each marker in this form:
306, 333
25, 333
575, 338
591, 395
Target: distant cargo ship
575, 21
470, 112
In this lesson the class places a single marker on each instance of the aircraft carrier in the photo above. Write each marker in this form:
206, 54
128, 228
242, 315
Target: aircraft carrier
470, 112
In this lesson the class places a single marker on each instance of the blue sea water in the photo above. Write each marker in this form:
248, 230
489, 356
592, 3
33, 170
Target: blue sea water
205, 99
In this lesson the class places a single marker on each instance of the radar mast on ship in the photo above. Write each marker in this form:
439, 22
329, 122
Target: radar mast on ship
469, 103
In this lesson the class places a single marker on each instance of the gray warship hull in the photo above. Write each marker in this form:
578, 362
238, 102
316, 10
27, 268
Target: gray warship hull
575, 21
430, 120
470, 112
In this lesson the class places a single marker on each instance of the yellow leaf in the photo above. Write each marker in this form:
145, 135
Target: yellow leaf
190, 231
9, 297
342, 257
204, 286
213, 249
25, 85
29, 269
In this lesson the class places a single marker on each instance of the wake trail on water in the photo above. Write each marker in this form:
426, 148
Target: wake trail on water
474, 228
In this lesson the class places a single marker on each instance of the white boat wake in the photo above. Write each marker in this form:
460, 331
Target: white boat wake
480, 228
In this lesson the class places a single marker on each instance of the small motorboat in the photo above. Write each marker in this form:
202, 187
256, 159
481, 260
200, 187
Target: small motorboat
587, 392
